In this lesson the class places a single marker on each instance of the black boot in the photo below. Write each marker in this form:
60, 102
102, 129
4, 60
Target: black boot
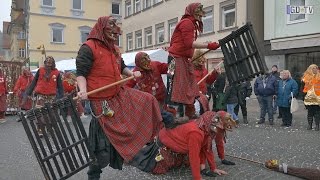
317, 121
245, 119
310, 121
317, 127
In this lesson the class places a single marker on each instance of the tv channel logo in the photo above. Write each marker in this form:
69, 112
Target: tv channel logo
299, 9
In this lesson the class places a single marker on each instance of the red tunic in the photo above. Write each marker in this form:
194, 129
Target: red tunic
137, 118
106, 70
151, 81
21, 85
189, 139
184, 88
199, 74
45, 87
3, 94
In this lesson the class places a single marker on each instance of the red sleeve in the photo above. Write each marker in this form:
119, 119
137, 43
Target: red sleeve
220, 145
187, 31
209, 156
194, 146
212, 77
162, 67
131, 83
17, 85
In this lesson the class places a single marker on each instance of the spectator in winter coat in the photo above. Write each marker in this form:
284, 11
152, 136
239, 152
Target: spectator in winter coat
266, 88
286, 86
244, 93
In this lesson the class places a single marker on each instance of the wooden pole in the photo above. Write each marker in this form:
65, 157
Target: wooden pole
201, 55
205, 77
107, 86
257, 162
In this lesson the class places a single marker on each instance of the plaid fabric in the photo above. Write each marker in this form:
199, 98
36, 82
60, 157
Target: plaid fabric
136, 120
3, 103
42, 99
184, 88
204, 102
27, 105
170, 160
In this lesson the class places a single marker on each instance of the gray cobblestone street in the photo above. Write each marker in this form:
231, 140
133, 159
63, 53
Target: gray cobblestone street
295, 145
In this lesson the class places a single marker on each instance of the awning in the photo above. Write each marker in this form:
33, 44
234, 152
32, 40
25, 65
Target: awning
295, 42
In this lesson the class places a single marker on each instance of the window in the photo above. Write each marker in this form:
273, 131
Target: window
148, 36
228, 16
22, 52
156, 1
47, 3
129, 42
138, 39
208, 20
295, 18
116, 8
172, 25
57, 32
77, 4
84, 32
137, 6
146, 4
128, 8
118, 41
160, 33
22, 35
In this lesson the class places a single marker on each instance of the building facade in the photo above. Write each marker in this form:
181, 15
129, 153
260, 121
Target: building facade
149, 24
16, 31
292, 41
59, 27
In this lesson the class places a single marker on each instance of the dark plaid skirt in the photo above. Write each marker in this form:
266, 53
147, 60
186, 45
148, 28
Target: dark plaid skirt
136, 121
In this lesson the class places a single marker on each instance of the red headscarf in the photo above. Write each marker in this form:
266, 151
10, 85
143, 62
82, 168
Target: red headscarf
189, 13
99, 29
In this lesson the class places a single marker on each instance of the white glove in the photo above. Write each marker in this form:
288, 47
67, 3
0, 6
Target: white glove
247, 98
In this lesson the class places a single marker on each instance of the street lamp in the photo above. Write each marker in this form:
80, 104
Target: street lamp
43, 50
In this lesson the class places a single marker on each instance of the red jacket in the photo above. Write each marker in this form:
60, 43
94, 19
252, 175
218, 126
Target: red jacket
22, 83
182, 39
189, 139
47, 87
151, 81
67, 87
106, 69
3, 85
199, 74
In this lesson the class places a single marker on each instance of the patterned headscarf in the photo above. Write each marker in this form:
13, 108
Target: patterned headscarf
143, 61
49, 69
215, 122
105, 24
189, 13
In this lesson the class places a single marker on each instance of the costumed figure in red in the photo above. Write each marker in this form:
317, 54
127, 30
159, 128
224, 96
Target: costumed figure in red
151, 80
181, 84
47, 86
20, 87
123, 119
3, 96
188, 144
70, 87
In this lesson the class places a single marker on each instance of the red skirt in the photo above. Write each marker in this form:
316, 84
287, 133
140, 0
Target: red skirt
136, 121
3, 103
184, 88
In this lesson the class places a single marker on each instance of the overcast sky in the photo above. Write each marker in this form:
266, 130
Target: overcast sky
5, 6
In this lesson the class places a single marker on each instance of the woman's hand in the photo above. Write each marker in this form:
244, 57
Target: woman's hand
82, 95
136, 74
220, 172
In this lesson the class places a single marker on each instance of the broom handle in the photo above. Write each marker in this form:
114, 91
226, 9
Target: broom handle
107, 86
205, 77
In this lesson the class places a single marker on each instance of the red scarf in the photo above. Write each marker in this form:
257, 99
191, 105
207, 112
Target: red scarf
189, 13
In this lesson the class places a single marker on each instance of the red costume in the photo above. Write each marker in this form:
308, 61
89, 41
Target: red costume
201, 72
151, 80
136, 118
3, 95
193, 139
20, 87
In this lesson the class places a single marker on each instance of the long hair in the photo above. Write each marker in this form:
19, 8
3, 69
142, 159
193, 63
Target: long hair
308, 74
